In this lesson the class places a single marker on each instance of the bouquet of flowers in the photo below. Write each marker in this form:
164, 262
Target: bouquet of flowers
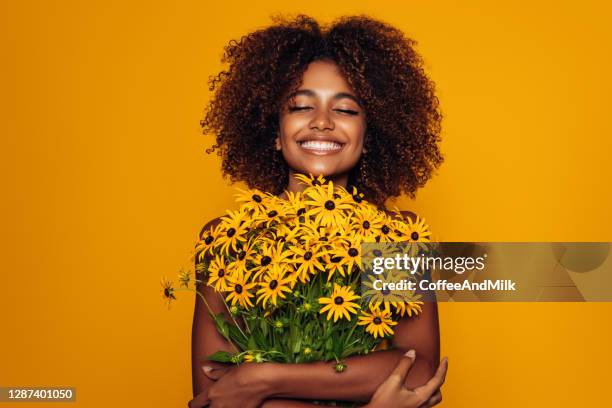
289, 273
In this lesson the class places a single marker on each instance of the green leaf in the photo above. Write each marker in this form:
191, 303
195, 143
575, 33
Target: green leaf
221, 357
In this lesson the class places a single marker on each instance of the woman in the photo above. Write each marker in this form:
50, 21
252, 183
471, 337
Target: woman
350, 102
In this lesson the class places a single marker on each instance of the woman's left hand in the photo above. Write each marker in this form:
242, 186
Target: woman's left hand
243, 386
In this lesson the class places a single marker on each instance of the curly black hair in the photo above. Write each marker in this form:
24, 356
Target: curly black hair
380, 64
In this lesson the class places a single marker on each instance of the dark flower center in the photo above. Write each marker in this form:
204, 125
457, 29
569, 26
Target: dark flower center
231, 232
377, 252
272, 213
366, 225
167, 292
265, 260
323, 239
238, 288
385, 230
221, 273
377, 320
241, 255
338, 300
414, 235
307, 255
385, 291
329, 204
301, 211
256, 198
208, 240
273, 284
316, 182
357, 198
353, 252
336, 259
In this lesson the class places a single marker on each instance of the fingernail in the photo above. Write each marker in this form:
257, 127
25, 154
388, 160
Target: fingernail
207, 369
411, 354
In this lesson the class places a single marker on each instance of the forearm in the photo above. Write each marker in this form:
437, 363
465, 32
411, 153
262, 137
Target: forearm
287, 403
357, 383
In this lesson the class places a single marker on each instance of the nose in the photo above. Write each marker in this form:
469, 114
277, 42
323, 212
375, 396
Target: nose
321, 121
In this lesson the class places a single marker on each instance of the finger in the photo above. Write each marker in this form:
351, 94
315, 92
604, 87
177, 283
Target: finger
435, 382
214, 373
201, 400
403, 366
435, 399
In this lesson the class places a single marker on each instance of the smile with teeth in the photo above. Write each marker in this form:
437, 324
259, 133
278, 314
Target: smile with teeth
322, 145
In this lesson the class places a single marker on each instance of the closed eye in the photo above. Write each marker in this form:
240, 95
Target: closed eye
347, 111
298, 108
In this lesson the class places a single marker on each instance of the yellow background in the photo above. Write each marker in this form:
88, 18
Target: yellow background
105, 185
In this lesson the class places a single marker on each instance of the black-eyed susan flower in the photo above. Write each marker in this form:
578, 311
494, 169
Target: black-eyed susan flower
274, 213
167, 291
307, 260
378, 321
349, 252
252, 200
340, 303
233, 230
244, 255
310, 180
218, 274
327, 206
367, 222
269, 253
239, 291
407, 308
418, 231
207, 241
184, 278
273, 284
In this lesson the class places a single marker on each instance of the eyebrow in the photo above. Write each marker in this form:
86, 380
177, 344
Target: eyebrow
339, 95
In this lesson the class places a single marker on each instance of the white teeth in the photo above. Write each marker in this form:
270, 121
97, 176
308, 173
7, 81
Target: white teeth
320, 145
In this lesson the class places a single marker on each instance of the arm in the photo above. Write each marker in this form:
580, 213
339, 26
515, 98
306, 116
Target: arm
205, 340
364, 373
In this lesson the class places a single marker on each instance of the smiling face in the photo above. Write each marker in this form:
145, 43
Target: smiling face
322, 125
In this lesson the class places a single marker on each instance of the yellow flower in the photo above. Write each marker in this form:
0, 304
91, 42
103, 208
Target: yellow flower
167, 291
333, 264
252, 200
310, 180
408, 308
340, 303
367, 222
184, 277
307, 260
233, 230
418, 231
239, 291
218, 274
274, 213
294, 204
349, 251
207, 241
378, 321
327, 206
269, 254
273, 285
245, 254
386, 231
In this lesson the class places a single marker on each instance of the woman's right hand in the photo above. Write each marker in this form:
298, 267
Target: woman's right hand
393, 393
